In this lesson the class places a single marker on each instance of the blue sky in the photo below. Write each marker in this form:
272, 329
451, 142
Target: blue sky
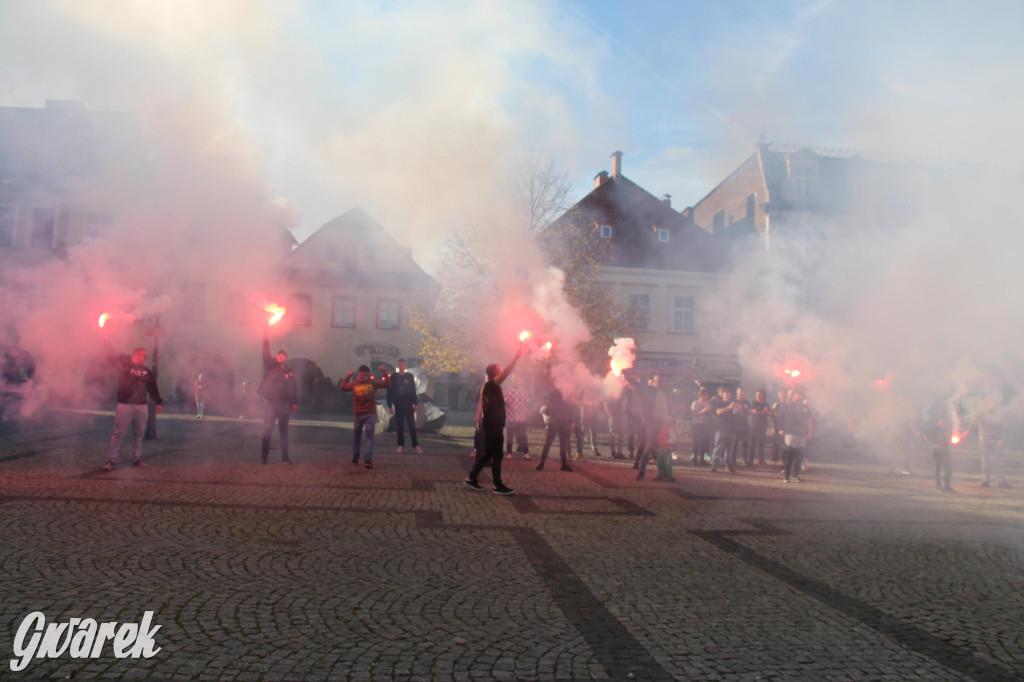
418, 111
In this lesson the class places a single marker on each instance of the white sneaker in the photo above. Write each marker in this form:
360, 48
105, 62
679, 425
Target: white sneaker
508, 456
526, 456
418, 449
400, 449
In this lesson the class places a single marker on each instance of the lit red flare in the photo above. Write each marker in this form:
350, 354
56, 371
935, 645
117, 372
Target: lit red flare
617, 366
547, 346
955, 438
276, 312
103, 319
793, 373
524, 335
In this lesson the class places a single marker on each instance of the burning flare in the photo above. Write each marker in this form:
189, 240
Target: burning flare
276, 312
793, 373
103, 319
955, 438
524, 335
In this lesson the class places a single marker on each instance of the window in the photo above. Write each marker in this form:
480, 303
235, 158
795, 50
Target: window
606, 232
6, 226
343, 313
684, 313
42, 228
803, 176
388, 314
642, 302
719, 222
300, 310
663, 235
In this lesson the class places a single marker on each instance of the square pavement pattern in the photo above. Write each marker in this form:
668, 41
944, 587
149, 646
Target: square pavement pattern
322, 570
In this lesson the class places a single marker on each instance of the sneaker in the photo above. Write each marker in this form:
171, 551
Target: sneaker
1005, 484
566, 467
907, 472
540, 467
579, 456
369, 465
597, 453
139, 463
798, 479
786, 480
109, 466
671, 479
418, 450
640, 476
526, 456
287, 460
504, 490
473, 485
508, 456
400, 450
986, 484
355, 462
948, 489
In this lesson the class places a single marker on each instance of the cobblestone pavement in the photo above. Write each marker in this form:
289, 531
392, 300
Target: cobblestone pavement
322, 570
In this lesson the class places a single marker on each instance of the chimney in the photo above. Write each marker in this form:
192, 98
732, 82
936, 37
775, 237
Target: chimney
667, 198
600, 179
616, 165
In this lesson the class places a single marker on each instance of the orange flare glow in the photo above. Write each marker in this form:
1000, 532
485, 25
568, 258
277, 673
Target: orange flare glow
548, 345
793, 373
524, 335
617, 368
955, 438
276, 312
103, 319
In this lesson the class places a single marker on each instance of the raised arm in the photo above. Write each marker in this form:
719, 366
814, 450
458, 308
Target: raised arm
267, 360
508, 368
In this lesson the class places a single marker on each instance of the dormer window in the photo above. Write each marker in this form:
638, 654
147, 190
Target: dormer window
663, 235
606, 232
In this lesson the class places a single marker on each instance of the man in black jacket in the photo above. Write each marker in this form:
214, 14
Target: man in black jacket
402, 400
134, 382
281, 392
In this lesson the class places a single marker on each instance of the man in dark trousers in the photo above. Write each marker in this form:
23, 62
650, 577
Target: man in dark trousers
281, 393
135, 381
490, 419
797, 429
402, 400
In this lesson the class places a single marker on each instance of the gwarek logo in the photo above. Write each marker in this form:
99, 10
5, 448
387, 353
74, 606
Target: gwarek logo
82, 638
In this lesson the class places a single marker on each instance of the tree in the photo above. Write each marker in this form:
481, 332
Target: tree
581, 253
467, 275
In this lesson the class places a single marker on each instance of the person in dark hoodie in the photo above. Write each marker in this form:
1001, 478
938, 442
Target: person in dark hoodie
281, 392
364, 408
401, 401
134, 382
558, 414
490, 418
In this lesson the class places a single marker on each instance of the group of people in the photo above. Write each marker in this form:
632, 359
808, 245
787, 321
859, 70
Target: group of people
729, 426
640, 420
136, 383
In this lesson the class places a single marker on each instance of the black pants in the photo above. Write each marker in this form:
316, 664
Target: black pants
702, 437
742, 445
282, 413
757, 446
563, 444
491, 452
405, 416
516, 431
635, 428
791, 459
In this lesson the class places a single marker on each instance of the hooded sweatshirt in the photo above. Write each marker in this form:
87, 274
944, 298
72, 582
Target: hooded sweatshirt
364, 391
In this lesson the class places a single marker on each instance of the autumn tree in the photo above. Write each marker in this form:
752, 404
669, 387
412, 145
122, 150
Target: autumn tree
467, 275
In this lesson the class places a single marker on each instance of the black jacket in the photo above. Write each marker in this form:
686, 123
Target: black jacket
402, 392
278, 386
134, 382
